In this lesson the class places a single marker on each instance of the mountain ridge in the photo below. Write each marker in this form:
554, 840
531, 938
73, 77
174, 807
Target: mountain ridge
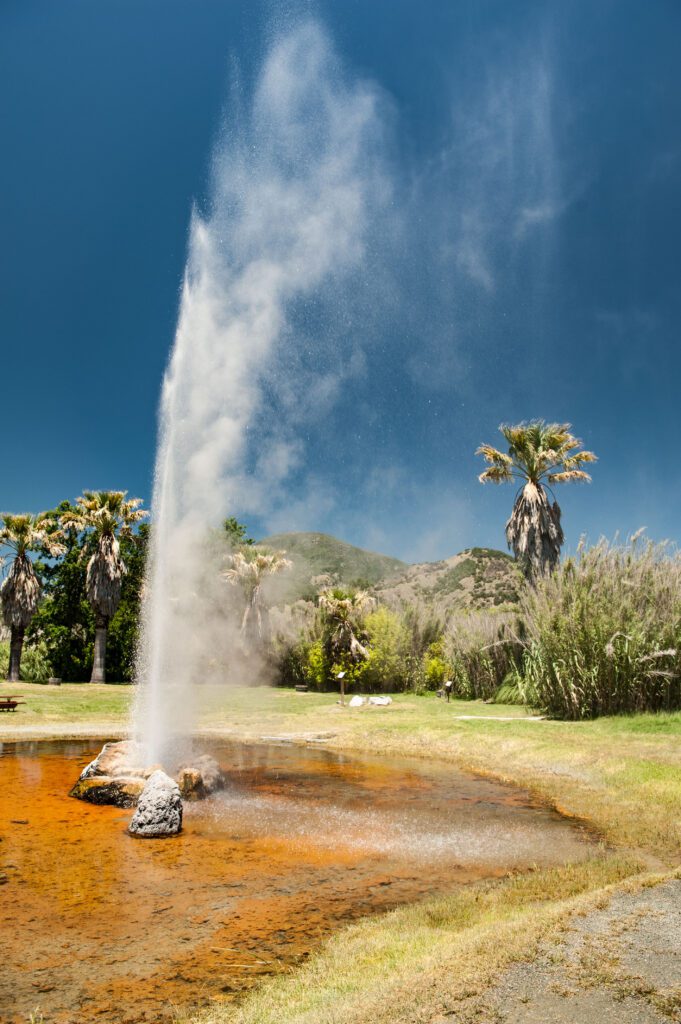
475, 577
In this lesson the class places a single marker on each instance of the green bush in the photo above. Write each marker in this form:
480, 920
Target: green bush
436, 669
394, 663
35, 662
604, 632
387, 669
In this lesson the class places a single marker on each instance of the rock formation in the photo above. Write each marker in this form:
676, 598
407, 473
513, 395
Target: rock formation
118, 776
159, 808
102, 789
200, 777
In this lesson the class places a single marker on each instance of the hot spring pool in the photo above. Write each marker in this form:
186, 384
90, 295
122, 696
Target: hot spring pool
97, 925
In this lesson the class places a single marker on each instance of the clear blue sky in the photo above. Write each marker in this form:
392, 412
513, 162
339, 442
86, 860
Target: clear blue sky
535, 151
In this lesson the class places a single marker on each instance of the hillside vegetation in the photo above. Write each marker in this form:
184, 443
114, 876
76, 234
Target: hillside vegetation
321, 560
475, 578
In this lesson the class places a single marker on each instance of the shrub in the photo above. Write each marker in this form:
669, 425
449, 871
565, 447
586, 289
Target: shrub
436, 668
604, 632
387, 668
35, 662
394, 641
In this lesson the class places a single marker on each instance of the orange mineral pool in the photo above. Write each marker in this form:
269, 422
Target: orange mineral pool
97, 926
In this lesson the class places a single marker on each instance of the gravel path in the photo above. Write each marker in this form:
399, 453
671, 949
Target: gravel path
617, 965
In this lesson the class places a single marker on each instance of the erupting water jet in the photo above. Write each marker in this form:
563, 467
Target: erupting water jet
292, 190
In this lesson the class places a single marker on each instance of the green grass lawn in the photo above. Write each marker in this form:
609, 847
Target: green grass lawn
57, 708
623, 775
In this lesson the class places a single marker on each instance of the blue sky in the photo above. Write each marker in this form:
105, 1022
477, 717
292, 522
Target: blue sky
524, 263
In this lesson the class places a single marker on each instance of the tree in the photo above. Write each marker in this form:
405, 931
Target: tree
236, 533
124, 628
539, 453
342, 613
248, 568
64, 620
104, 516
20, 591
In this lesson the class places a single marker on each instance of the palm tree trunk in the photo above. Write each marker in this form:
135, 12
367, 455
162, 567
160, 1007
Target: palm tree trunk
99, 662
15, 647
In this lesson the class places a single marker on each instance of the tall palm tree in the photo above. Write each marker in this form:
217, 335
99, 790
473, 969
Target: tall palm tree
342, 612
20, 591
248, 568
538, 454
103, 516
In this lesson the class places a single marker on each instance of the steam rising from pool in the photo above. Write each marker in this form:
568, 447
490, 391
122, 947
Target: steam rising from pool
292, 186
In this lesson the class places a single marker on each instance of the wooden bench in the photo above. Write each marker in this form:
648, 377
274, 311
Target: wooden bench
10, 703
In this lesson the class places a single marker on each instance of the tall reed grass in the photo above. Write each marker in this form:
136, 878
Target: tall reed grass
603, 633
482, 649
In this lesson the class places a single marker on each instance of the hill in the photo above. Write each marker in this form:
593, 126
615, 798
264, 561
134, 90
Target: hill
475, 578
321, 560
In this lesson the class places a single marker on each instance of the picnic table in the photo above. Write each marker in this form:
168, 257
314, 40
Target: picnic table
9, 703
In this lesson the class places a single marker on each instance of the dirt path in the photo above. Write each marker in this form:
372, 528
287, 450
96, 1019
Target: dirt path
620, 964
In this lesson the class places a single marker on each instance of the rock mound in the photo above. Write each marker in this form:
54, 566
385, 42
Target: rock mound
102, 789
116, 759
200, 777
159, 809
118, 775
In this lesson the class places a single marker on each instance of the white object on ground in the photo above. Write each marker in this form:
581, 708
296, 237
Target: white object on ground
357, 701
381, 701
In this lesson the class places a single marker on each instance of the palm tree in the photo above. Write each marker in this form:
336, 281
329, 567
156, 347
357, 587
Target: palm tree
20, 591
342, 612
104, 516
248, 568
539, 453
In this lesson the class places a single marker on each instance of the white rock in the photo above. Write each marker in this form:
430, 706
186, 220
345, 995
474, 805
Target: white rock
159, 810
381, 701
357, 701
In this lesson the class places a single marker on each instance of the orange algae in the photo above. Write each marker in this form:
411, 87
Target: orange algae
98, 925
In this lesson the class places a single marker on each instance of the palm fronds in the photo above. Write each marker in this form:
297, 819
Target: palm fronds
20, 590
103, 516
248, 568
343, 611
496, 475
537, 451
104, 512
26, 532
20, 593
569, 476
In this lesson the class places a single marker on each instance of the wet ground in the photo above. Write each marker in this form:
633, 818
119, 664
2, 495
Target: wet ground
98, 926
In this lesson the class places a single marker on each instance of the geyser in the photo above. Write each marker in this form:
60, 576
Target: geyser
293, 186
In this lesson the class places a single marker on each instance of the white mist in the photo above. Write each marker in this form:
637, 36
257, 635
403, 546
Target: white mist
292, 194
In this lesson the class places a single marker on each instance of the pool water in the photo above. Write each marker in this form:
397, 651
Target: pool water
99, 926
